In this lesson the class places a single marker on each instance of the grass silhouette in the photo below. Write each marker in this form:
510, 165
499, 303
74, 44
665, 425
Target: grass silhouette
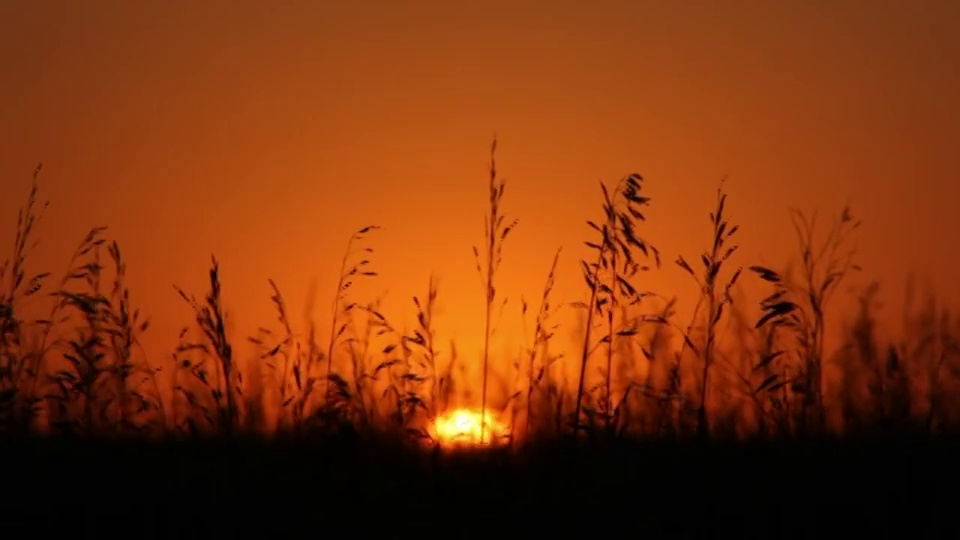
702, 414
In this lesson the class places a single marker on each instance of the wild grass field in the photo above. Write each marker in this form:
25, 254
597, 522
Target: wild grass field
655, 424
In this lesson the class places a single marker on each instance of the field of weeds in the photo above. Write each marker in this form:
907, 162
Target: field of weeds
651, 426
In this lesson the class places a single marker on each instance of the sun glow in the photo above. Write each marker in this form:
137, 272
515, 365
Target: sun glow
461, 427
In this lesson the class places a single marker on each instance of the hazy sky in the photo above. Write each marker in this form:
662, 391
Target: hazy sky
266, 132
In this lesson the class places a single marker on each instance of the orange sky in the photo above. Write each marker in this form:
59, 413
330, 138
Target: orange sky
268, 133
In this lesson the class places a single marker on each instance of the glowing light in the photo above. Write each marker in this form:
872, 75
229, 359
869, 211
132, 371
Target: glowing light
461, 427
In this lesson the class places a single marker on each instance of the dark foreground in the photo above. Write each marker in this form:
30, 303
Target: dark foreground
248, 489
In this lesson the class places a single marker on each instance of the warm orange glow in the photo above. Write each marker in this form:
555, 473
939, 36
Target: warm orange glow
461, 427
268, 136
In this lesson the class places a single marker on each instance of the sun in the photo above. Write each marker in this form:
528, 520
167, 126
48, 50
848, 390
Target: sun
461, 427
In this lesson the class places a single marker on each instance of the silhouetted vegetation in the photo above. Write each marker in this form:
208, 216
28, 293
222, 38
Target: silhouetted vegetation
81, 370
642, 376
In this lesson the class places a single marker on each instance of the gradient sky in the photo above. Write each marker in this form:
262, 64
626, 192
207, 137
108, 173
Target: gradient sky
266, 132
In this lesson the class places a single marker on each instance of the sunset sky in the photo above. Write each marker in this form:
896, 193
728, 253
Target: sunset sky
267, 133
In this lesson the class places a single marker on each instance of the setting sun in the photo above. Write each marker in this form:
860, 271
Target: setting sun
461, 427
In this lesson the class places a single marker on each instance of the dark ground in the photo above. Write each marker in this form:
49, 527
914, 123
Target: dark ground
232, 489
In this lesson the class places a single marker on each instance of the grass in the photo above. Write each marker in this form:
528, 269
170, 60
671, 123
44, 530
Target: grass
716, 298
496, 230
612, 293
717, 411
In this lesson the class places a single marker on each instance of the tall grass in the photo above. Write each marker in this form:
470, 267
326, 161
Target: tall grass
716, 297
609, 279
19, 364
81, 368
798, 308
496, 228
211, 319
543, 333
